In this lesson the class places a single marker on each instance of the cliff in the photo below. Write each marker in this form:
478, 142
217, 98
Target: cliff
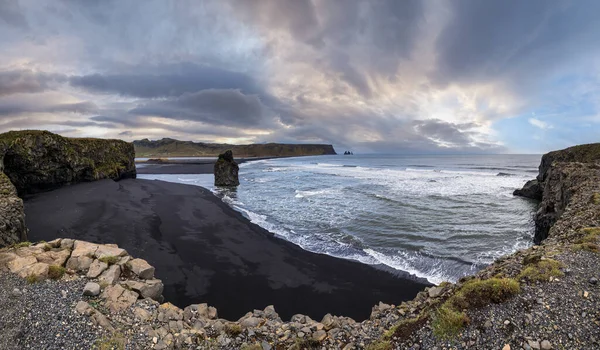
12, 216
560, 175
40, 160
175, 148
33, 161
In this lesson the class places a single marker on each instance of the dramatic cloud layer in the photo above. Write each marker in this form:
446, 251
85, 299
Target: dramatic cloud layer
372, 76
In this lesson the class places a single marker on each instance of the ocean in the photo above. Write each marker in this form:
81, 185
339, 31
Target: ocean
437, 217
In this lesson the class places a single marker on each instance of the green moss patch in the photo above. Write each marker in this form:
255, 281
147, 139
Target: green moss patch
478, 293
55, 271
586, 246
448, 322
380, 345
596, 198
450, 317
405, 328
115, 342
32, 279
233, 329
21, 244
109, 259
542, 270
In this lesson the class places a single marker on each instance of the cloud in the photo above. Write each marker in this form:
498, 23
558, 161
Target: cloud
26, 81
213, 106
165, 80
402, 76
539, 124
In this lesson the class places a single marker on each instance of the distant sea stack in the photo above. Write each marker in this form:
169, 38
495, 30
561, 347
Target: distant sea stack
226, 170
34, 161
560, 172
174, 148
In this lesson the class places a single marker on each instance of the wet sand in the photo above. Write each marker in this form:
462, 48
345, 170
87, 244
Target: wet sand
204, 251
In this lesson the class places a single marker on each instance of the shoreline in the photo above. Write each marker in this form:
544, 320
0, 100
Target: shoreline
205, 251
190, 166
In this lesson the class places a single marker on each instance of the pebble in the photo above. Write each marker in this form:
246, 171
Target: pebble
593, 280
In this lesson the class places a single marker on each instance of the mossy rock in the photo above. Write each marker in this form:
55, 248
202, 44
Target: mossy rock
40, 160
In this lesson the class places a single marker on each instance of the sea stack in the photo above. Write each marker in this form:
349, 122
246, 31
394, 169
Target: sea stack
226, 170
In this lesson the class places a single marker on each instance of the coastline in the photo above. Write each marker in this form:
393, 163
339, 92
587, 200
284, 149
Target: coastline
204, 251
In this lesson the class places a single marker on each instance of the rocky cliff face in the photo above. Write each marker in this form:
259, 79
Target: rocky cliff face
33, 161
12, 215
226, 170
39, 160
175, 148
561, 174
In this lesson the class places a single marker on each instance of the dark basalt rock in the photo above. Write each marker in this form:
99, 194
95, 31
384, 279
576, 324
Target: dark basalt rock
531, 189
37, 161
226, 170
560, 173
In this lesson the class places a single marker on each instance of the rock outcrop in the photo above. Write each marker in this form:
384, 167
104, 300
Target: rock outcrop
226, 170
12, 214
32, 161
560, 174
40, 160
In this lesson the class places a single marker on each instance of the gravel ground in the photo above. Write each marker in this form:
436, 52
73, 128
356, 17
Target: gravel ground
554, 314
41, 315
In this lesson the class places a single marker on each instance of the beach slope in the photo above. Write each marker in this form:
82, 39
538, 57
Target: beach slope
204, 251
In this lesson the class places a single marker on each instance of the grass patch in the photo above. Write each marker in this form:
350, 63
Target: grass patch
596, 198
233, 329
542, 270
31, 279
56, 272
589, 235
115, 342
380, 345
303, 343
109, 259
587, 246
405, 328
478, 293
448, 322
247, 346
450, 317
21, 244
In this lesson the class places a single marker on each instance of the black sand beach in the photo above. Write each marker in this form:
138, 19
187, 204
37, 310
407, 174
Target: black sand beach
205, 251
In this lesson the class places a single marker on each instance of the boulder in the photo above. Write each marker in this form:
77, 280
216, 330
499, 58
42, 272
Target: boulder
105, 250
226, 170
118, 298
96, 268
20, 263
111, 275
83, 248
91, 289
148, 289
39, 271
141, 268
54, 257
81, 263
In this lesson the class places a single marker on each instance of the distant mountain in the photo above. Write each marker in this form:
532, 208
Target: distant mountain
175, 148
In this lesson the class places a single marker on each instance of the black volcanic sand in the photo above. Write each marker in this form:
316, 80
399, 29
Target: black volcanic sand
176, 168
204, 251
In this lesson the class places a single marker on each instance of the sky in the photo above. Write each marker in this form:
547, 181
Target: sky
431, 76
